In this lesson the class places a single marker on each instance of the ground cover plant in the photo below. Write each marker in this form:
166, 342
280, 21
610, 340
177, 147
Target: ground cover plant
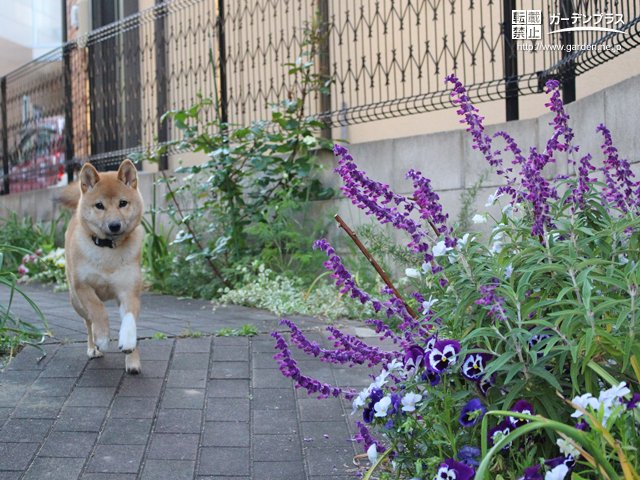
521, 359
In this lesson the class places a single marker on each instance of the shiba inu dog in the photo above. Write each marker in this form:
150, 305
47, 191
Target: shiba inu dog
103, 245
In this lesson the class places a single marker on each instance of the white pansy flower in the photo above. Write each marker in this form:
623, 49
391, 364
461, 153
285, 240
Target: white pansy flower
412, 273
439, 249
463, 241
380, 380
427, 304
381, 407
558, 473
409, 402
508, 210
622, 259
492, 199
478, 218
566, 448
425, 267
613, 396
508, 271
584, 401
361, 399
395, 364
372, 453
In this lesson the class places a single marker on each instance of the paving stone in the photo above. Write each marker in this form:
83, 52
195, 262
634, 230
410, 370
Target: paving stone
319, 410
228, 388
68, 444
108, 476
155, 352
188, 361
116, 459
16, 456
110, 360
263, 345
26, 430
54, 387
91, 397
276, 448
183, 398
168, 470
266, 378
326, 433
101, 378
32, 359
153, 368
176, 420
133, 386
273, 399
226, 434
230, 370
4, 413
173, 446
38, 407
65, 367
80, 419
279, 470
54, 469
13, 475
126, 431
329, 461
230, 353
264, 361
11, 394
230, 342
193, 345
224, 409
134, 407
187, 378
223, 461
265, 422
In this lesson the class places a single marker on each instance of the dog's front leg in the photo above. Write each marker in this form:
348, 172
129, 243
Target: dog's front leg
129, 311
90, 307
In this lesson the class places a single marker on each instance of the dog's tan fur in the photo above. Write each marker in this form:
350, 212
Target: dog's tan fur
96, 274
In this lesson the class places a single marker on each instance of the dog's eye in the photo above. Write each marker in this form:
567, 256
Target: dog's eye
99, 206
123, 203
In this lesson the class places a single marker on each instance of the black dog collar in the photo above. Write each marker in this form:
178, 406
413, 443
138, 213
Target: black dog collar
102, 242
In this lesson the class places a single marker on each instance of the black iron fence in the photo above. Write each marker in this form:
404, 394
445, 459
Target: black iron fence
101, 96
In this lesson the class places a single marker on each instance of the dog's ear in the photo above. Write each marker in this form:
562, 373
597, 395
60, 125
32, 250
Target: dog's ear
128, 174
88, 177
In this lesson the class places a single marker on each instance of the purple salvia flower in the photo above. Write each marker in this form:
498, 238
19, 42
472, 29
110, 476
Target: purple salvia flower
450, 469
364, 436
377, 199
583, 183
621, 190
371, 355
472, 413
343, 278
289, 368
489, 298
443, 355
382, 328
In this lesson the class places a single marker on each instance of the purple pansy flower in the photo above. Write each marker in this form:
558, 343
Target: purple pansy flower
374, 397
503, 429
472, 413
432, 377
532, 473
633, 403
430, 343
450, 470
524, 407
485, 384
568, 461
443, 355
474, 365
414, 357
469, 455
396, 401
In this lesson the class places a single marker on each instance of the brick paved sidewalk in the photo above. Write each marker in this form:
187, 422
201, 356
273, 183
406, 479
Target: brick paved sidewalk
204, 407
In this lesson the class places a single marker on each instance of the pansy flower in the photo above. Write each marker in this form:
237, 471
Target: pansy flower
413, 357
536, 339
469, 455
472, 413
485, 384
532, 473
410, 401
501, 430
633, 403
524, 407
443, 354
474, 365
430, 343
432, 377
452, 470
381, 407
374, 397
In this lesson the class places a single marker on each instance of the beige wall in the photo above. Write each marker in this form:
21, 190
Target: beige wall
12, 56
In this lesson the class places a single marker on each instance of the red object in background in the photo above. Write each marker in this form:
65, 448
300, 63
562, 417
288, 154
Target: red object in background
39, 160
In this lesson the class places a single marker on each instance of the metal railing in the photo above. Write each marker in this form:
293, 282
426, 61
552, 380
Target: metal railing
100, 97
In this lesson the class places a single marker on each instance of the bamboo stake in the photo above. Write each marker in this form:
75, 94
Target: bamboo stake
372, 261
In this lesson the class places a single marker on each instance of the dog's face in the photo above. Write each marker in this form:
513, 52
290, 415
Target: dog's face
110, 205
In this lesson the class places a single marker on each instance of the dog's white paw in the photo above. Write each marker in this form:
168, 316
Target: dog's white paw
127, 339
94, 353
102, 343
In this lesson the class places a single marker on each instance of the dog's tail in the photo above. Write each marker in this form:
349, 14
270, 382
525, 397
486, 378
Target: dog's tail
69, 196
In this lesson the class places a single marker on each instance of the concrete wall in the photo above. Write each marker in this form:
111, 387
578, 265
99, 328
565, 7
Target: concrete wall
445, 157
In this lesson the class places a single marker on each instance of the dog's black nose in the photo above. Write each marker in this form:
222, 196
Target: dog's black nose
114, 227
